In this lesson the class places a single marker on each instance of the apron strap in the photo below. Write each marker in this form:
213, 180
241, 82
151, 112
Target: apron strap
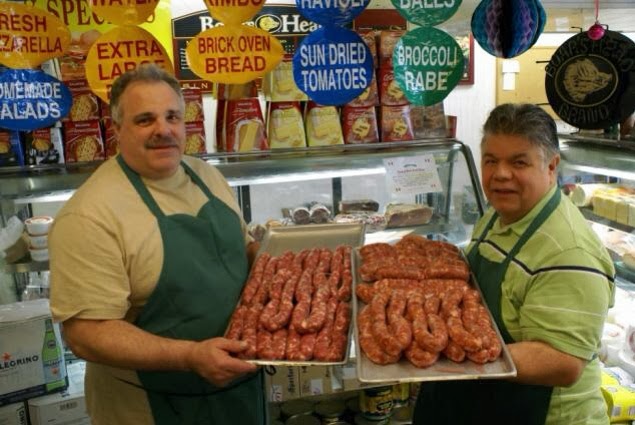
198, 181
483, 233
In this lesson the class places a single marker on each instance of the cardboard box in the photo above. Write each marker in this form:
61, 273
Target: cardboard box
281, 383
13, 414
64, 408
32, 358
315, 380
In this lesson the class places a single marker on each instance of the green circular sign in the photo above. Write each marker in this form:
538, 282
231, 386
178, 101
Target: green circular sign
428, 64
427, 13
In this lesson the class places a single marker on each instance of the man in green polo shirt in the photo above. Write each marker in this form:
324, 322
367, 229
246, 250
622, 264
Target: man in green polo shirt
546, 278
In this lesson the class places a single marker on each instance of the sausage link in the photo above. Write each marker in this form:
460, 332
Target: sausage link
367, 342
432, 304
264, 340
419, 357
480, 356
399, 326
281, 318
365, 292
336, 270
323, 342
429, 330
262, 295
307, 346
454, 352
346, 289
292, 351
250, 327
461, 336
390, 328
255, 278
236, 323
317, 316
447, 271
400, 272
279, 344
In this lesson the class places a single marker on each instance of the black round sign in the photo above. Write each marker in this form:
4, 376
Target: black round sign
590, 84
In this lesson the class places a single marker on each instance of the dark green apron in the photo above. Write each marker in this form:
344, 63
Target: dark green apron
488, 401
204, 268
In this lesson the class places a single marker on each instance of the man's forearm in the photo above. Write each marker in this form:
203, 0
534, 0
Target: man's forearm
538, 363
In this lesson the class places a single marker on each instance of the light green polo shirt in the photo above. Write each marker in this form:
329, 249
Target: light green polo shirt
557, 290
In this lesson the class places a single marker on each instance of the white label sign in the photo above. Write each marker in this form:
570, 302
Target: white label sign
412, 175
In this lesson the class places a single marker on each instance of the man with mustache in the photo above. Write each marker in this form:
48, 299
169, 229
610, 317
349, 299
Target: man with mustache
547, 280
148, 259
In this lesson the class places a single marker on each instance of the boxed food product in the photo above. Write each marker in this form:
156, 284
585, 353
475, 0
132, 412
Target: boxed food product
315, 380
11, 150
286, 129
59, 409
194, 138
83, 141
281, 383
244, 127
369, 97
620, 401
279, 85
85, 103
428, 121
44, 146
32, 363
13, 414
390, 94
395, 124
387, 41
193, 104
360, 125
323, 126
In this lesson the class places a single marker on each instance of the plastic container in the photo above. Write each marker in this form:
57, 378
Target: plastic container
41, 241
41, 254
38, 225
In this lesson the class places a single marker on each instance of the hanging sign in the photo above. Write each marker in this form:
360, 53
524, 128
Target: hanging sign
412, 175
119, 50
126, 12
234, 12
590, 84
331, 12
233, 54
332, 66
31, 99
427, 13
30, 36
428, 64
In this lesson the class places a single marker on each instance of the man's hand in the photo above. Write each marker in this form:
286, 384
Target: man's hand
213, 361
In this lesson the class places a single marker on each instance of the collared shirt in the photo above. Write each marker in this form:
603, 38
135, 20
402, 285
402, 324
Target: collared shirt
557, 290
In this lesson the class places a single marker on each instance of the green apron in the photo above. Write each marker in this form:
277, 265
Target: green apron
488, 401
204, 268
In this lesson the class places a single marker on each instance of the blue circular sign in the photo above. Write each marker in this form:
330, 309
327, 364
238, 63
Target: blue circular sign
332, 66
331, 12
31, 99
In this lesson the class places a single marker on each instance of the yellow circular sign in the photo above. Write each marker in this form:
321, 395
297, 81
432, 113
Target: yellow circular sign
233, 54
119, 50
233, 12
30, 36
128, 12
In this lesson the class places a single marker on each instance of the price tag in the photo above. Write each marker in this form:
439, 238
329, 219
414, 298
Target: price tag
124, 13
412, 175
428, 64
119, 50
233, 54
31, 99
30, 36
332, 66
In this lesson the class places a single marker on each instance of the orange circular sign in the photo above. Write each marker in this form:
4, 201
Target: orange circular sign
127, 12
119, 50
233, 54
30, 36
233, 12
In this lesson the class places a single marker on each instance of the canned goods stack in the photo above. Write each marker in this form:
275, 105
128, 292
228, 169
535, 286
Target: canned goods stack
297, 412
376, 403
331, 412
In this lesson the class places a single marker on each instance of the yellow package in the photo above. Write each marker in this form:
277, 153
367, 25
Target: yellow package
620, 401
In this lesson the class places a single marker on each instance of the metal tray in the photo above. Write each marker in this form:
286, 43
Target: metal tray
277, 240
443, 370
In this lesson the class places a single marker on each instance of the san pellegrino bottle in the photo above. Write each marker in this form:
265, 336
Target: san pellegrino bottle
51, 358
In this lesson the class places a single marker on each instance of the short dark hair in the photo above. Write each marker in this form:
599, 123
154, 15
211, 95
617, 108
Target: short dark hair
147, 73
525, 120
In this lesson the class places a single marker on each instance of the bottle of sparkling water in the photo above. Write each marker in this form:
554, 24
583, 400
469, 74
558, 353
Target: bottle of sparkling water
52, 358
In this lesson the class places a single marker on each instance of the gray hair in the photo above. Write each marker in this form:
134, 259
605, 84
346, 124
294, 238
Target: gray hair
524, 120
149, 73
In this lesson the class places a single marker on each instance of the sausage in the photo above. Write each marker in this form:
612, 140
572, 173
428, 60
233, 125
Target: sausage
454, 352
379, 249
262, 294
250, 327
477, 321
264, 344
346, 289
281, 318
399, 326
336, 270
390, 328
317, 316
255, 278
236, 323
307, 346
365, 292
367, 342
461, 336
447, 271
419, 357
432, 304
428, 330
340, 330
292, 351
399, 272
323, 342
279, 344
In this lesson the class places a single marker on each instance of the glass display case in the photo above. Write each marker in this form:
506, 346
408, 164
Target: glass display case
270, 185
599, 174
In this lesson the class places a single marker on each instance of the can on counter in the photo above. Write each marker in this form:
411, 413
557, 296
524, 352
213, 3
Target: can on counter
414, 392
330, 411
400, 394
376, 403
302, 420
401, 416
295, 407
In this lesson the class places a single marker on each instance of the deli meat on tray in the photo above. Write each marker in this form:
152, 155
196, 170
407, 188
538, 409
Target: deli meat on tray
419, 317
295, 308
